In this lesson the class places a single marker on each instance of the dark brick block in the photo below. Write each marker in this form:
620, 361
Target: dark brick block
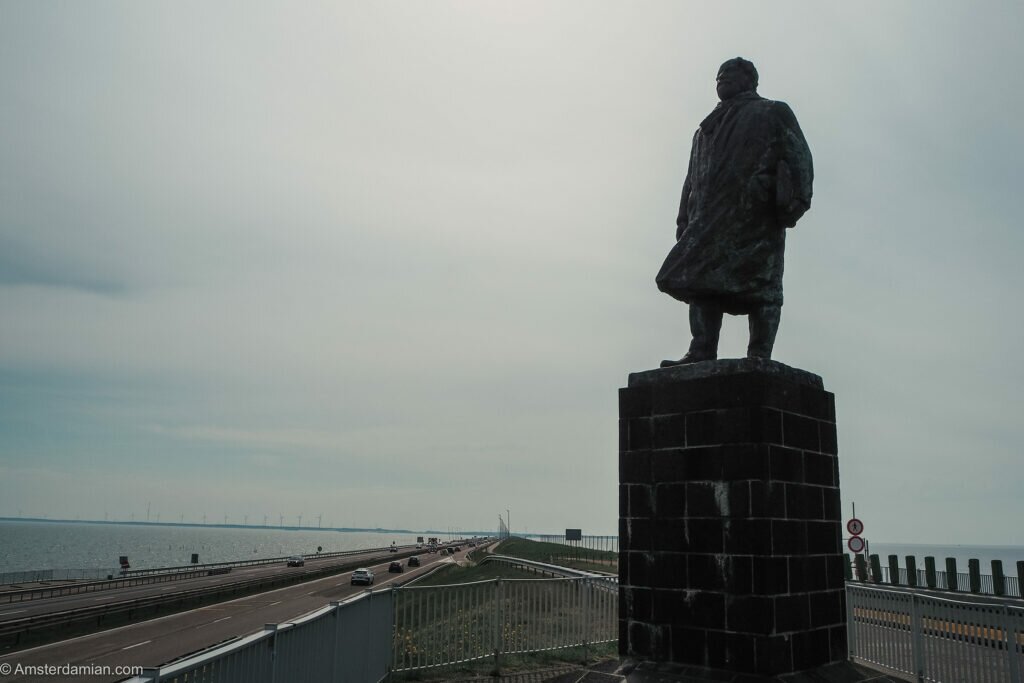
837, 646
685, 397
774, 654
640, 568
637, 534
701, 500
808, 573
744, 461
704, 463
739, 651
669, 571
704, 609
706, 535
826, 609
637, 603
670, 500
735, 391
833, 506
792, 613
817, 403
718, 643
786, 464
705, 572
738, 499
639, 503
796, 500
700, 428
784, 396
635, 402
640, 639
671, 534
835, 571
669, 431
623, 435
638, 434
750, 614
770, 575
827, 438
824, 538
689, 645
818, 469
668, 605
800, 432
623, 500
767, 425
670, 466
635, 467
810, 649
735, 425
748, 537
789, 537
815, 504
739, 575
768, 499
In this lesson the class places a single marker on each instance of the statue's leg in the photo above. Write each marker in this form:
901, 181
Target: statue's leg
705, 326
764, 324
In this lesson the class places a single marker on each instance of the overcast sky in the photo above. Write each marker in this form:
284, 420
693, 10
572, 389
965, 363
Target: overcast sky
389, 262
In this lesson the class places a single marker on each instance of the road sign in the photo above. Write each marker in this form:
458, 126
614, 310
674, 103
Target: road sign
855, 544
855, 527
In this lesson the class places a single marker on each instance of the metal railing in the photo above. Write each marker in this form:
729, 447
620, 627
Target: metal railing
607, 543
444, 625
39, 575
998, 583
933, 638
346, 641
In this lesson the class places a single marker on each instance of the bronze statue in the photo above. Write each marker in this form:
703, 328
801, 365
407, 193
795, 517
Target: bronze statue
749, 179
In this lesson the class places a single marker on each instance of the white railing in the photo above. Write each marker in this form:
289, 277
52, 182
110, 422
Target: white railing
443, 625
347, 641
934, 638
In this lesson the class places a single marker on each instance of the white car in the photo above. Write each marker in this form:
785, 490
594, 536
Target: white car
362, 577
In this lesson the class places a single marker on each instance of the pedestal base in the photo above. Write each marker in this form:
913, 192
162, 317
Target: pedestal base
730, 519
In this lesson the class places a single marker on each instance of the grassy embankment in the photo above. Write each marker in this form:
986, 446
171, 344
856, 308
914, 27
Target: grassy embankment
562, 555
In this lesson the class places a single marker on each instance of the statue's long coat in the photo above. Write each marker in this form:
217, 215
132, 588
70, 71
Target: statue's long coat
749, 178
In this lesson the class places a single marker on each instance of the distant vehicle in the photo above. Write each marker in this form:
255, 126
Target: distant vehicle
296, 561
451, 550
393, 549
362, 577
396, 568
419, 546
414, 561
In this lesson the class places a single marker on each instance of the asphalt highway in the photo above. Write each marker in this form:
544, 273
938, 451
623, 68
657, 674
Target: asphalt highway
165, 639
19, 610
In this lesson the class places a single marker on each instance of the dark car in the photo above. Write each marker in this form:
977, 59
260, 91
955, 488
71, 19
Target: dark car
394, 549
296, 561
414, 561
396, 568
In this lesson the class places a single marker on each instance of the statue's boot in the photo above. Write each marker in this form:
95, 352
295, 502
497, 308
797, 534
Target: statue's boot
763, 324
705, 326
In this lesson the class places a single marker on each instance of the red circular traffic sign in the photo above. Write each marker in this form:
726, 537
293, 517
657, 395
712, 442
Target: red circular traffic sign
855, 544
855, 527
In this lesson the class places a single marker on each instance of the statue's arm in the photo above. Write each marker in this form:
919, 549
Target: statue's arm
683, 219
796, 163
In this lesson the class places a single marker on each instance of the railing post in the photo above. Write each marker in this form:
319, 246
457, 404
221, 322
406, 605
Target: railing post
335, 649
929, 571
273, 650
1010, 638
998, 578
586, 618
862, 567
894, 570
152, 672
499, 624
851, 626
974, 572
951, 577
916, 637
911, 571
876, 569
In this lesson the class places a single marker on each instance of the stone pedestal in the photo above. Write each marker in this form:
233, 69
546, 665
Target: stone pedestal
730, 519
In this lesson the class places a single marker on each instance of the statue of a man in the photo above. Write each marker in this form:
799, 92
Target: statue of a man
749, 179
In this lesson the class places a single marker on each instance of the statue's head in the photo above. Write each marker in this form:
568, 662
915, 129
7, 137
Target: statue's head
735, 76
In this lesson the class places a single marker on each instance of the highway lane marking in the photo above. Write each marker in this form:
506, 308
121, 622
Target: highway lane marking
14, 612
221, 619
100, 634
275, 603
136, 644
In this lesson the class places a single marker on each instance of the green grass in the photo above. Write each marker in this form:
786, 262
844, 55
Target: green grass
453, 573
562, 555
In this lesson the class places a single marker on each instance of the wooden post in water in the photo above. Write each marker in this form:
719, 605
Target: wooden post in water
974, 575
894, 570
951, 577
929, 571
998, 579
911, 571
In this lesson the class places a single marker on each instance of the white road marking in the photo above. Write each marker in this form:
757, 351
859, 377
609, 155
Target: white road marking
221, 619
136, 644
275, 603
14, 612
